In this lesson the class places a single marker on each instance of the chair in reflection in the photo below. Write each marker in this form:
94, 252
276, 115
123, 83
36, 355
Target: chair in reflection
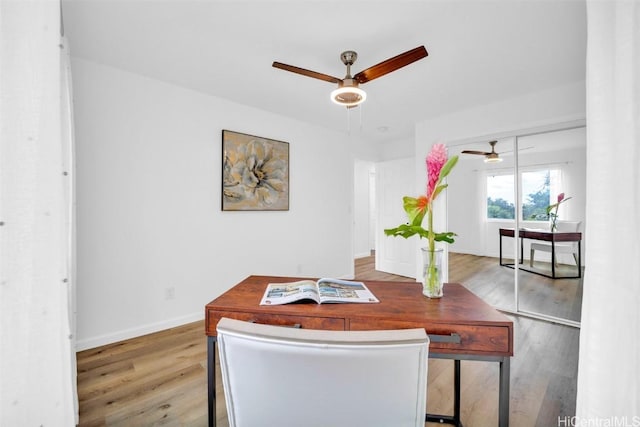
279, 376
560, 247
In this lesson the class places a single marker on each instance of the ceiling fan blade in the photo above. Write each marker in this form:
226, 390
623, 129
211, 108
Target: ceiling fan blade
480, 153
308, 73
392, 64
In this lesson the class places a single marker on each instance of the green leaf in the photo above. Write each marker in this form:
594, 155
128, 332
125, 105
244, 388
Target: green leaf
448, 166
414, 212
438, 189
445, 237
406, 231
555, 205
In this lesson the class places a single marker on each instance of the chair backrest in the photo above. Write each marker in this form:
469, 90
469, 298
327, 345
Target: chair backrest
568, 226
278, 376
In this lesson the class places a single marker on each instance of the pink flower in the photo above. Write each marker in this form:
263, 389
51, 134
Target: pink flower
436, 159
560, 197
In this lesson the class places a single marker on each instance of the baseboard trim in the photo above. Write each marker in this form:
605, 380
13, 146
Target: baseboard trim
126, 334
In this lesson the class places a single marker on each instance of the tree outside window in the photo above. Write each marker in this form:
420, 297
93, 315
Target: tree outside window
535, 192
500, 197
536, 198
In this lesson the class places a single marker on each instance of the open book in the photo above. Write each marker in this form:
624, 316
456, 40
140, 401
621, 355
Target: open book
322, 291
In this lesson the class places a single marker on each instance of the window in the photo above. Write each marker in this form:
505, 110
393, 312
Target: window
536, 194
500, 197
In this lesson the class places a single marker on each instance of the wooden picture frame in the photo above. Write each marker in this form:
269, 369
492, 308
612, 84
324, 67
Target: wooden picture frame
255, 173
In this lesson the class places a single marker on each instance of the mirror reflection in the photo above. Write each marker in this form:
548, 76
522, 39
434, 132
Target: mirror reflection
500, 178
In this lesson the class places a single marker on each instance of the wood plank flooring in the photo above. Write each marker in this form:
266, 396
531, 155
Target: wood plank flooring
160, 379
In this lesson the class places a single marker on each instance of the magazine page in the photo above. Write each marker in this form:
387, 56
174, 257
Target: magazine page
336, 290
284, 293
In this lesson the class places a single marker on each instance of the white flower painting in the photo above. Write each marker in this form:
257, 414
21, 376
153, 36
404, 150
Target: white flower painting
255, 173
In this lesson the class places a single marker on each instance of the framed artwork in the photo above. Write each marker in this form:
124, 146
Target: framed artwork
255, 173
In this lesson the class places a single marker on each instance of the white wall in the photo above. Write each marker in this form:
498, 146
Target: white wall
398, 149
148, 196
561, 104
555, 105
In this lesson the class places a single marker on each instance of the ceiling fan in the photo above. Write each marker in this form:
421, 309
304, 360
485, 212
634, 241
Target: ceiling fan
489, 157
348, 93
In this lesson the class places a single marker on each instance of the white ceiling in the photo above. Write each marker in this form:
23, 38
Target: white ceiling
479, 51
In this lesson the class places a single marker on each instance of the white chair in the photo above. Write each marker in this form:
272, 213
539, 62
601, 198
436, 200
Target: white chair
560, 247
279, 376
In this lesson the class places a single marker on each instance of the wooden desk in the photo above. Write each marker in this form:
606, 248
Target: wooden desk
546, 236
460, 326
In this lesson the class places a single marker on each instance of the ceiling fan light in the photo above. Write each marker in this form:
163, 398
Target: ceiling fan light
348, 96
492, 158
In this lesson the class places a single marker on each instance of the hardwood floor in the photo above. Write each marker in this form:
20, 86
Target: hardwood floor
160, 379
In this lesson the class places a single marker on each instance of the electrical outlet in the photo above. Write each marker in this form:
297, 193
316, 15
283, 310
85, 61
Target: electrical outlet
169, 293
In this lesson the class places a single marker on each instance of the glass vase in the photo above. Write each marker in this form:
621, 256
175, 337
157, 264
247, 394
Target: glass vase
552, 222
432, 286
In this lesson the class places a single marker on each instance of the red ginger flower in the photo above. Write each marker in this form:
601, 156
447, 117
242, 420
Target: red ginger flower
435, 161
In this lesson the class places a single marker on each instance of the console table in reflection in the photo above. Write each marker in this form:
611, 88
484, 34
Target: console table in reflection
546, 236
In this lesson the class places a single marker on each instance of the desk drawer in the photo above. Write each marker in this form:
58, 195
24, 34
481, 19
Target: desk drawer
492, 340
326, 323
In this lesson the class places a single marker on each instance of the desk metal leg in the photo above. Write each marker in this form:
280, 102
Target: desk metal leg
503, 398
521, 251
503, 402
579, 260
456, 393
211, 380
447, 419
553, 259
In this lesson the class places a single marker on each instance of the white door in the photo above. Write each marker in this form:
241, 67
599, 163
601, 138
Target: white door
394, 180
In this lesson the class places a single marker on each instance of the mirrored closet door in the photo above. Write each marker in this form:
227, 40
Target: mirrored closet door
518, 188
551, 168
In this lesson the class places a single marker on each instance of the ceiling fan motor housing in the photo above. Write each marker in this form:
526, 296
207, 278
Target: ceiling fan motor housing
492, 158
348, 93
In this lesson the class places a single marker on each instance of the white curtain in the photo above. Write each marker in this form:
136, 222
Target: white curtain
37, 376
609, 365
69, 204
